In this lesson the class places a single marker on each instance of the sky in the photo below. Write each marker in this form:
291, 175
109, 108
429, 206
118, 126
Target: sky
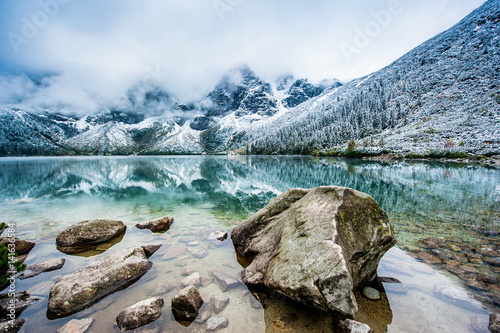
83, 55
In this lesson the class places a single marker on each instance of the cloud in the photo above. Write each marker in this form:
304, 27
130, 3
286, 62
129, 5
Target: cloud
96, 51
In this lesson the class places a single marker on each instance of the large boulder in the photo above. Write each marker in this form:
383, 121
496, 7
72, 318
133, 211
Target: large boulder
140, 314
89, 284
315, 246
87, 234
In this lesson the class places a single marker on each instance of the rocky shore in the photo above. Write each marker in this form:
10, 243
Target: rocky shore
313, 252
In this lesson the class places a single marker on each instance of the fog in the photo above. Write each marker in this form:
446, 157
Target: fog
83, 57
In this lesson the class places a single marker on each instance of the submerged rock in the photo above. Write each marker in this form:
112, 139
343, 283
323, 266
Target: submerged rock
186, 304
352, 326
219, 302
87, 234
224, 281
44, 266
76, 326
140, 314
216, 323
161, 224
89, 284
205, 313
193, 279
315, 246
175, 251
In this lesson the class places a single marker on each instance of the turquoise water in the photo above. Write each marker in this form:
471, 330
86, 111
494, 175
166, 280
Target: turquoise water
448, 211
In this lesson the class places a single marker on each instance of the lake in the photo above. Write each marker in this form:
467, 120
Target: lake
446, 219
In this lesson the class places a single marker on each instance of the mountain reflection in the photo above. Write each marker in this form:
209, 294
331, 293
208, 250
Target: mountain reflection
244, 184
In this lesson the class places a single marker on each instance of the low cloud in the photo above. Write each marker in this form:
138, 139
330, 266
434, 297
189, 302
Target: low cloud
97, 51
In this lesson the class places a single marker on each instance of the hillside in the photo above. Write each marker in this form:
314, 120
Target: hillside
440, 99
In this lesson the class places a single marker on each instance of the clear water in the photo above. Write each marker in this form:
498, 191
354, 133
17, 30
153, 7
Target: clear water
451, 205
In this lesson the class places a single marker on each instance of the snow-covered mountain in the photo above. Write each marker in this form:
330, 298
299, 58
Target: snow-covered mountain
151, 121
440, 99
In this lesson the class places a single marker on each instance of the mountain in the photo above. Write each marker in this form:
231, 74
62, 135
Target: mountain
440, 99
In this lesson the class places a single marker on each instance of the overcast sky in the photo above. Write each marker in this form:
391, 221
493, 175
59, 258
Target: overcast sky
98, 49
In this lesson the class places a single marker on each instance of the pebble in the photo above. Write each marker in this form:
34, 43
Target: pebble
193, 279
167, 287
174, 251
459, 257
492, 261
474, 282
454, 269
429, 258
371, 293
204, 313
452, 263
428, 244
469, 269
76, 326
200, 254
216, 323
206, 281
219, 303
188, 271
225, 282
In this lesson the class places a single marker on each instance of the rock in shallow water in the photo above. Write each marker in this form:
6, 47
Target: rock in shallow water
371, 293
315, 246
216, 323
87, 234
186, 304
41, 267
89, 284
140, 314
219, 302
224, 281
352, 326
161, 224
76, 326
193, 279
